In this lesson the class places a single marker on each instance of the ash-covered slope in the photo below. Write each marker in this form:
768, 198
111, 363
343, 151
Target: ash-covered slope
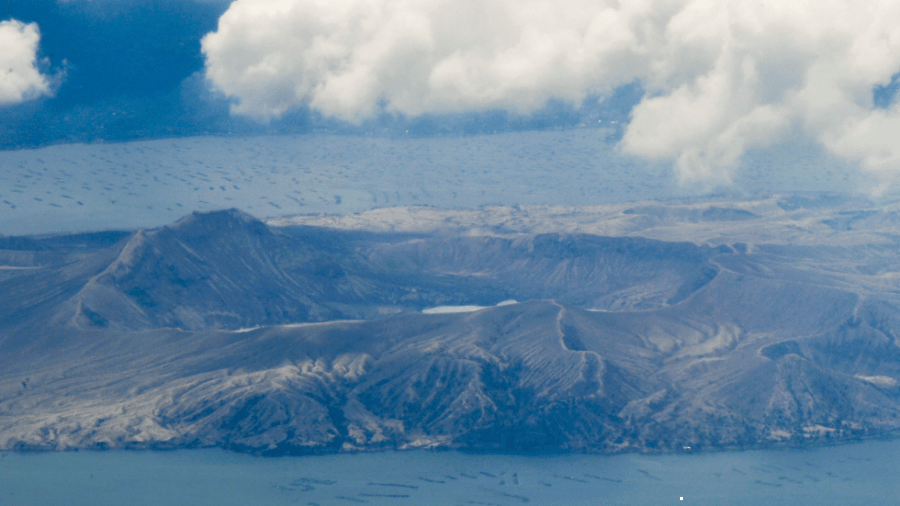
206, 333
577, 269
228, 270
219, 269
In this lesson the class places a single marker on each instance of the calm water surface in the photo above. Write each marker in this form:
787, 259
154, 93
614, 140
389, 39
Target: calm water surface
857, 474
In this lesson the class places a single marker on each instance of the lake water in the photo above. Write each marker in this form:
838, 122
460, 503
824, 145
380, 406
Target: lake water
855, 474
83, 187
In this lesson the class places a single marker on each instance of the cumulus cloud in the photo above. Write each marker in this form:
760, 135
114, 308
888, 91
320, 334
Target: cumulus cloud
722, 76
20, 79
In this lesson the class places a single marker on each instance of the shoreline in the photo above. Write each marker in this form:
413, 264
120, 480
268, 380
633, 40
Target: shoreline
891, 436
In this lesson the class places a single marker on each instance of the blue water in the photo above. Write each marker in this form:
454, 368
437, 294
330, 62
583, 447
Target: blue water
855, 474
85, 187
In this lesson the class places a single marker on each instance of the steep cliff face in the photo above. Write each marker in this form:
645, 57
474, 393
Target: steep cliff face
220, 330
228, 270
577, 269
206, 271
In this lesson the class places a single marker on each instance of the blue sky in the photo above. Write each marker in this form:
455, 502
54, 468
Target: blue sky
695, 83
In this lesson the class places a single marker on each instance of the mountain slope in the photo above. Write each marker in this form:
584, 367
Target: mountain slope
222, 331
228, 270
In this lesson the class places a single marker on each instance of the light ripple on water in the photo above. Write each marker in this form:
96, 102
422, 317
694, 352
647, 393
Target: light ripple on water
85, 187
856, 474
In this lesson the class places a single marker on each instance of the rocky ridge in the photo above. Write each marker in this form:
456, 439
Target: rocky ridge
292, 337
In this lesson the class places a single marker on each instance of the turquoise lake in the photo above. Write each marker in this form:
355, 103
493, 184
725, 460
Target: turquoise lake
853, 474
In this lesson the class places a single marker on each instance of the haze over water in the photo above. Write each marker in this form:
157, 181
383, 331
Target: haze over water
88, 187
853, 474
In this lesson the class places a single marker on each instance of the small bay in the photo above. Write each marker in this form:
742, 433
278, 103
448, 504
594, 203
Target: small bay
851, 474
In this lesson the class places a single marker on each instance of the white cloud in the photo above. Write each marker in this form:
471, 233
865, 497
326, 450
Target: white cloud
20, 79
721, 76
348, 58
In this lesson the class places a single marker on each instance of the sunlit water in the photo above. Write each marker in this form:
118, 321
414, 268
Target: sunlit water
856, 474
